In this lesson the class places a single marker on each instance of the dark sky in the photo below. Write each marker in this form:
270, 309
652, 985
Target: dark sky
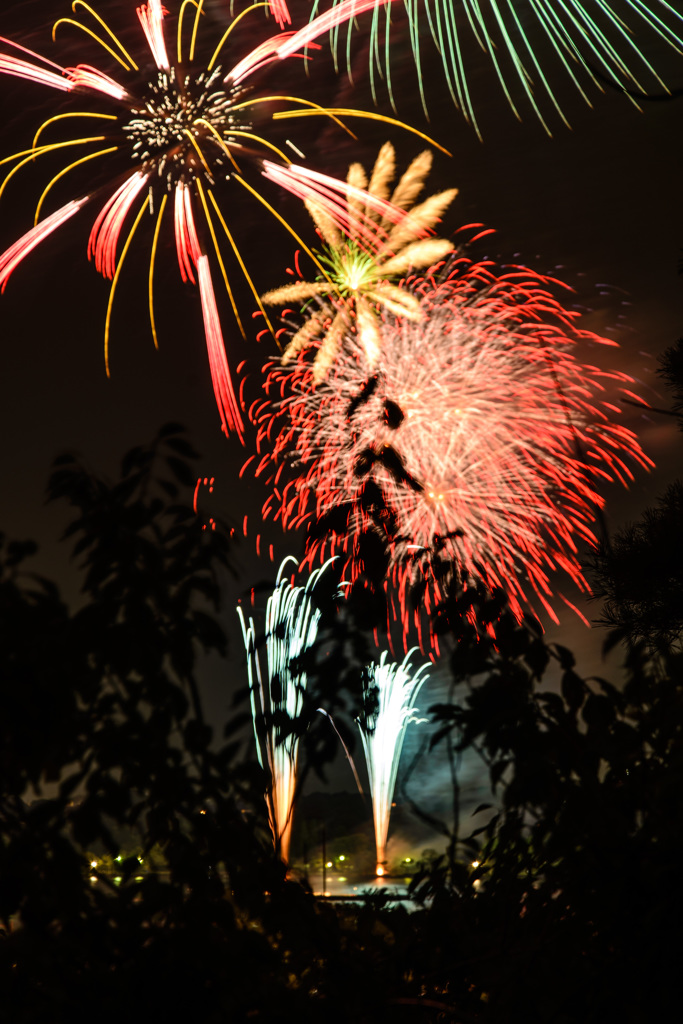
601, 201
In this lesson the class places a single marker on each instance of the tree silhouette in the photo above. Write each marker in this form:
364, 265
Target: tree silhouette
571, 913
570, 904
102, 717
639, 574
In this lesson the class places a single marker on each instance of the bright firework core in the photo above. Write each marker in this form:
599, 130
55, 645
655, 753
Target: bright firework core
352, 268
176, 111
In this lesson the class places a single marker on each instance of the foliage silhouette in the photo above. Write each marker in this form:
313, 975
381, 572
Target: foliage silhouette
104, 703
572, 914
572, 911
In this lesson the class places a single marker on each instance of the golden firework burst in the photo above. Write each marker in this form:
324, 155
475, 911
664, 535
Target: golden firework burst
363, 276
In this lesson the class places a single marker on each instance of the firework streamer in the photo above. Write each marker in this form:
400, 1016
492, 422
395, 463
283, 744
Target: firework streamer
533, 47
277, 698
169, 140
390, 690
479, 442
363, 280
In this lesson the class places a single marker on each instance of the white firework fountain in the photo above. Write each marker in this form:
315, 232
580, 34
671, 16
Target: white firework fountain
393, 687
277, 698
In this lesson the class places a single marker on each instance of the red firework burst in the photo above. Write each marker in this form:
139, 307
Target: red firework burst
480, 439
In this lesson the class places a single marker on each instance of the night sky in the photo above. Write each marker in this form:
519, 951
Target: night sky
598, 206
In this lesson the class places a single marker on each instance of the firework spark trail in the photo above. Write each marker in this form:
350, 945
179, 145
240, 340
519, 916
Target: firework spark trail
485, 435
583, 43
292, 621
392, 688
185, 129
13, 256
331, 194
280, 12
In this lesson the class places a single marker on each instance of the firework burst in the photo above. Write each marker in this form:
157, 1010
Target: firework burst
390, 690
176, 136
277, 698
480, 440
583, 44
362, 279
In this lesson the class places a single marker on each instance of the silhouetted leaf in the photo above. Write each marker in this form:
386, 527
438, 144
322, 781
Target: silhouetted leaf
180, 470
573, 689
